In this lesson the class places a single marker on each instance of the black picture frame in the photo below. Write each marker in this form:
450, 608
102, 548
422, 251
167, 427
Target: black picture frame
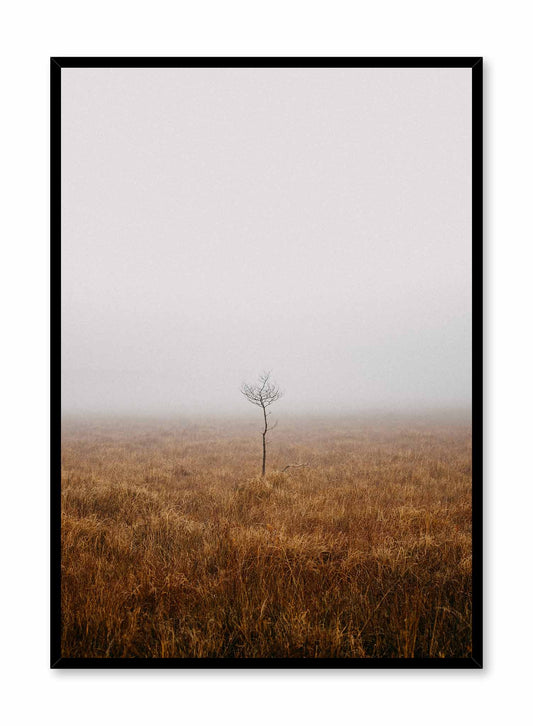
476, 66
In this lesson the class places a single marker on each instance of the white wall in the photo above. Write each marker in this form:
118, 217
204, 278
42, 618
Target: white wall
33, 31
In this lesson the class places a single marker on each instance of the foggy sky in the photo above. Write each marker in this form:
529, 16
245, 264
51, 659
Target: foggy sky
219, 222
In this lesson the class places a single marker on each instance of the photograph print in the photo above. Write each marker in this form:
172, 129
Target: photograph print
266, 362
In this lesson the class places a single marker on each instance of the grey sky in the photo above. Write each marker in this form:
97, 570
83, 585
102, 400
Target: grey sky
217, 222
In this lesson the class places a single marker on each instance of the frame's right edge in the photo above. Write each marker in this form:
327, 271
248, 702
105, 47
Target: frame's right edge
477, 362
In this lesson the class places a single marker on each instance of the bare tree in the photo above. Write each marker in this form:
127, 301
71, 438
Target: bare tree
263, 393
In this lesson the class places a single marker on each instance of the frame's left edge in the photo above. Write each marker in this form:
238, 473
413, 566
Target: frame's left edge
55, 372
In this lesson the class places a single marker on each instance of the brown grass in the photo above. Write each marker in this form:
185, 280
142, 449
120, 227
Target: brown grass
173, 547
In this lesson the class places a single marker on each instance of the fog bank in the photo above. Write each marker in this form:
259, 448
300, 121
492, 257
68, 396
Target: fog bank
219, 222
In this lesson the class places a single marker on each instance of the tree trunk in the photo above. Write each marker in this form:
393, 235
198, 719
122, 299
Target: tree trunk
264, 442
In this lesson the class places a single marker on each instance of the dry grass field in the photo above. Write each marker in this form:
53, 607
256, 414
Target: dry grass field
172, 546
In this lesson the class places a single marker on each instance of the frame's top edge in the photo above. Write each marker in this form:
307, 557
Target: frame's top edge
267, 62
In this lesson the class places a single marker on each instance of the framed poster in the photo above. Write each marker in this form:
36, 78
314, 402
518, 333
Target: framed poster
267, 362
